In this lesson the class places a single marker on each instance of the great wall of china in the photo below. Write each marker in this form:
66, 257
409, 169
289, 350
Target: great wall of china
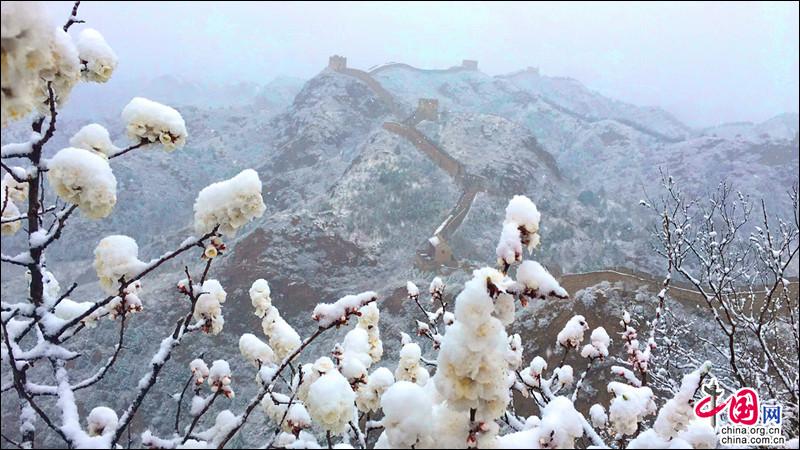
467, 64
435, 252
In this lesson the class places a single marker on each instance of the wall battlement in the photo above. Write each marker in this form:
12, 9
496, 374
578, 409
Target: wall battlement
469, 64
337, 62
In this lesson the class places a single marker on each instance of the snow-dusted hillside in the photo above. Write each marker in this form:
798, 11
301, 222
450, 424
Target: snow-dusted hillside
780, 127
354, 192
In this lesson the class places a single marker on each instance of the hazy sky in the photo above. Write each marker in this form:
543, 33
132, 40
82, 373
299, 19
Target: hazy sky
705, 62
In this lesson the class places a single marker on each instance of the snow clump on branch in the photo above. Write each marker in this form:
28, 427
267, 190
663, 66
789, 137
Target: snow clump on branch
328, 314
538, 282
97, 59
409, 368
260, 297
35, 54
629, 406
407, 415
368, 397
10, 211
115, 257
330, 402
571, 335
101, 421
84, 178
472, 368
24, 40
255, 350
520, 228
17, 191
229, 204
62, 73
94, 137
150, 122
219, 378
283, 339
208, 308
598, 346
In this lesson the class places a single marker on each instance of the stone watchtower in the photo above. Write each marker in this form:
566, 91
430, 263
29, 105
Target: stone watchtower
469, 64
337, 62
440, 251
427, 109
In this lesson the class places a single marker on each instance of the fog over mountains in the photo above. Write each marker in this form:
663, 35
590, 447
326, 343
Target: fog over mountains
372, 178
355, 162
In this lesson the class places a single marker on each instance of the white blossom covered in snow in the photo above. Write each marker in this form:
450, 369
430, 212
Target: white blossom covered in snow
303, 439
282, 337
229, 204
514, 353
208, 309
598, 416
368, 320
35, 54
571, 335
259, 296
629, 406
368, 397
84, 178
311, 373
538, 282
10, 211
509, 248
560, 425
409, 366
355, 346
255, 350
115, 257
98, 60
436, 289
565, 375
214, 288
598, 346
412, 289
219, 377
25, 38
676, 415
199, 370
294, 417
101, 421
523, 211
520, 228
94, 137
471, 365
330, 402
407, 413
151, 122
17, 191
62, 73
128, 302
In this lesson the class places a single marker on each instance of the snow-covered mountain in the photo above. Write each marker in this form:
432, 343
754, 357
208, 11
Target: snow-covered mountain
781, 127
360, 178
327, 158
